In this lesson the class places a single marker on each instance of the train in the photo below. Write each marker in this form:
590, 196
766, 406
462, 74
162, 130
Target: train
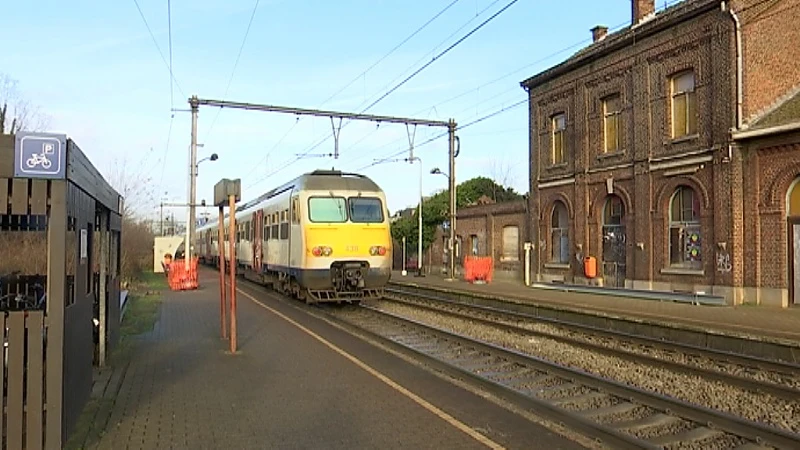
322, 237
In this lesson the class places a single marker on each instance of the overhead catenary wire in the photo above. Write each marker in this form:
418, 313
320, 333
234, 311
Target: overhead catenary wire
163, 58
439, 136
326, 137
365, 71
407, 79
521, 102
235, 65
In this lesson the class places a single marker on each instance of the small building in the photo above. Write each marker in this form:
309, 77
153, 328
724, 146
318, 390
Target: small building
485, 228
645, 153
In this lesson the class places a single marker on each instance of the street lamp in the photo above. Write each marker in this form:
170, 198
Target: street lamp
192, 200
213, 157
452, 246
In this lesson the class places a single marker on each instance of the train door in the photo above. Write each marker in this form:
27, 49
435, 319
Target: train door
258, 241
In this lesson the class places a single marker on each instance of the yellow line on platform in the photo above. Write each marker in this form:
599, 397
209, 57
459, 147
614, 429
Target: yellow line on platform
394, 385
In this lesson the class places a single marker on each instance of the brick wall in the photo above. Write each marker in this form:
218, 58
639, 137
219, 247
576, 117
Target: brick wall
486, 222
771, 46
772, 166
649, 164
743, 231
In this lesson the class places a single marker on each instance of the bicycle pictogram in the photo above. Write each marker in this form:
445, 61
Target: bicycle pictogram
37, 159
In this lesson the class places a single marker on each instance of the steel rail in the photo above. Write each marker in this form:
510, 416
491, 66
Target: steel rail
746, 383
735, 358
702, 416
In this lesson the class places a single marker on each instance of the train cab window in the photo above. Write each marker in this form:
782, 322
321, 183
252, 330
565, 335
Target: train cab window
365, 210
327, 209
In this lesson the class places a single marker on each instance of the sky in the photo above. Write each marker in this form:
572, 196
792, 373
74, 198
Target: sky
97, 71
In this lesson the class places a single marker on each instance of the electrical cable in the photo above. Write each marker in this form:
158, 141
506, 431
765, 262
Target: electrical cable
235, 65
415, 73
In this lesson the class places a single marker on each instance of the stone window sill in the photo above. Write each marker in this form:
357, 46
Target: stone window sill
556, 166
611, 154
687, 138
681, 271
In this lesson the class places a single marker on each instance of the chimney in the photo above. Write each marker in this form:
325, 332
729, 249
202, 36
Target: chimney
599, 32
641, 9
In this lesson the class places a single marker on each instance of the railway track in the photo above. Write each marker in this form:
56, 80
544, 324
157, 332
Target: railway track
618, 415
636, 348
727, 341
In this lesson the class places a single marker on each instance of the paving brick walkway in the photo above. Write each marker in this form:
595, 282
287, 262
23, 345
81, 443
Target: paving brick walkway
284, 390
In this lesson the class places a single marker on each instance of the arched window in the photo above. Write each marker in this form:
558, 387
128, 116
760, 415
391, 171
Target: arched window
510, 243
559, 232
684, 229
793, 206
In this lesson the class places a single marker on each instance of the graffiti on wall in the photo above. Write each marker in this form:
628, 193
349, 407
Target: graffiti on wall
723, 262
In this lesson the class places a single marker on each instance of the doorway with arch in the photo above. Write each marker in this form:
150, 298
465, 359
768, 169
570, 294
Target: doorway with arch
614, 241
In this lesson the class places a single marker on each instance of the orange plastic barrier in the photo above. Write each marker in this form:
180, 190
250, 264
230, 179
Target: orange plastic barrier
478, 268
181, 279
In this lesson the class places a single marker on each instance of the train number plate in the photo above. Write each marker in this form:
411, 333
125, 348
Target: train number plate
352, 248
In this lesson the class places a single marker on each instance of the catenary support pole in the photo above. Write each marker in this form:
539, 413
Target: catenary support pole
451, 131
192, 183
419, 224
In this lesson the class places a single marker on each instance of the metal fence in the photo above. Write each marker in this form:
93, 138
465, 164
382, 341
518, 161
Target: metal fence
58, 218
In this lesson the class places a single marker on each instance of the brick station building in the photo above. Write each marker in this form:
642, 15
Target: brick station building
670, 152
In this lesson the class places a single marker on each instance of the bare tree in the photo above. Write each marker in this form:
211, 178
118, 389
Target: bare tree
134, 184
501, 172
17, 113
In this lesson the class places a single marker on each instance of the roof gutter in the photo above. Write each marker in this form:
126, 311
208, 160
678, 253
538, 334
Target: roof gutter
646, 30
749, 134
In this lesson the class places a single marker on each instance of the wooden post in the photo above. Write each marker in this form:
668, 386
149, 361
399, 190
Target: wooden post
221, 260
232, 243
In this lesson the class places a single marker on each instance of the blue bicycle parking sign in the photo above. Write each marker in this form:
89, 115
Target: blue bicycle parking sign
40, 155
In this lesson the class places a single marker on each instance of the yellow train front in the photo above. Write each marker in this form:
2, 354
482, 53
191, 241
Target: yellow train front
322, 237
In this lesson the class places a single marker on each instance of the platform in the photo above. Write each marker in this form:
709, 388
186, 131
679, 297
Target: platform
305, 384
758, 322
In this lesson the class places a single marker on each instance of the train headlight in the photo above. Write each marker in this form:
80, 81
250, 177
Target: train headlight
377, 250
322, 250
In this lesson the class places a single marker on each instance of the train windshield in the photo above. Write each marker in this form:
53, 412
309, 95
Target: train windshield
365, 210
327, 209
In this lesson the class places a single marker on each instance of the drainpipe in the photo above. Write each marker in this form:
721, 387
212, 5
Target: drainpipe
739, 69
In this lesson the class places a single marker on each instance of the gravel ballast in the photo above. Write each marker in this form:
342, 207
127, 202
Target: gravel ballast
758, 407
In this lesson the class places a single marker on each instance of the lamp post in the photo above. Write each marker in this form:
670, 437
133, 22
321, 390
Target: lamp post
452, 246
192, 196
419, 216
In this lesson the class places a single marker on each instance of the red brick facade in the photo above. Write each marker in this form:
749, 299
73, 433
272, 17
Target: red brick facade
647, 119
497, 230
